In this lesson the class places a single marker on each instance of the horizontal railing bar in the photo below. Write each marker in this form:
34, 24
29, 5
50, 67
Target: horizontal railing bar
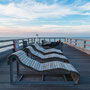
51, 37
13, 39
30, 39
79, 39
73, 42
45, 37
20, 42
87, 45
9, 45
6, 46
81, 43
78, 43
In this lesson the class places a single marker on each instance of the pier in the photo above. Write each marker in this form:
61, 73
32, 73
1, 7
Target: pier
76, 50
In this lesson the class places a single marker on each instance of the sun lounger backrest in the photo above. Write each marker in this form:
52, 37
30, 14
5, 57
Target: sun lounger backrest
31, 51
47, 50
35, 52
38, 47
24, 59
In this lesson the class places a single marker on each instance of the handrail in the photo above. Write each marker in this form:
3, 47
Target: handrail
2, 46
72, 41
78, 42
6, 46
78, 39
13, 39
31, 39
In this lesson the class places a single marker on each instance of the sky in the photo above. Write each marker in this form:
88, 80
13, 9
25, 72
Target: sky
25, 18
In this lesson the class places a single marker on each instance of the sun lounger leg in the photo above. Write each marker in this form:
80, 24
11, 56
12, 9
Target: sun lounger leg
17, 68
11, 71
18, 72
43, 77
64, 77
21, 77
76, 79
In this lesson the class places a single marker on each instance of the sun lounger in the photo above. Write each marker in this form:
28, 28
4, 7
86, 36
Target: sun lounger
47, 51
44, 42
53, 67
45, 58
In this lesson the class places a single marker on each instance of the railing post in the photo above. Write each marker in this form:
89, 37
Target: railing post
49, 39
64, 39
28, 41
39, 40
23, 41
11, 71
44, 38
67, 40
54, 39
70, 41
84, 44
75, 42
31, 40
60, 39
34, 40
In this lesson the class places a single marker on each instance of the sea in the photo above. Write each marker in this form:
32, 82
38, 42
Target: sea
11, 38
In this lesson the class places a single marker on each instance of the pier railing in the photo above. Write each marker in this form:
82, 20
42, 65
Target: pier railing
77, 43
8, 44
81, 44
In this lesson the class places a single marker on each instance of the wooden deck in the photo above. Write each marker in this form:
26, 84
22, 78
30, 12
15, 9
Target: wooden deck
80, 60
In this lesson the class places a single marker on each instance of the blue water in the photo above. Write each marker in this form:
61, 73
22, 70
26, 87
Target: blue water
10, 38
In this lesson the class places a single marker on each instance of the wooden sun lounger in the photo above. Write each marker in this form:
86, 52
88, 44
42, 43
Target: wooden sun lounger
45, 58
53, 67
47, 51
44, 42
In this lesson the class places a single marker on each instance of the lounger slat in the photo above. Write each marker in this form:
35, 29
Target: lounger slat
56, 55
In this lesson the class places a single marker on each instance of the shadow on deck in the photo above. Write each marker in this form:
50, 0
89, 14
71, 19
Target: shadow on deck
77, 58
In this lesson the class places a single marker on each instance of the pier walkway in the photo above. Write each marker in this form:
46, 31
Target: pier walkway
80, 60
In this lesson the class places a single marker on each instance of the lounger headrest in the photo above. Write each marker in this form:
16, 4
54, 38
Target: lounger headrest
15, 55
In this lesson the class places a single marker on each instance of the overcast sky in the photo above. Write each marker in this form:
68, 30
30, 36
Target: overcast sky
45, 17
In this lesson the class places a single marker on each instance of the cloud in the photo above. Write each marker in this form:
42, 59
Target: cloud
29, 10
32, 10
85, 6
46, 30
67, 28
13, 14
